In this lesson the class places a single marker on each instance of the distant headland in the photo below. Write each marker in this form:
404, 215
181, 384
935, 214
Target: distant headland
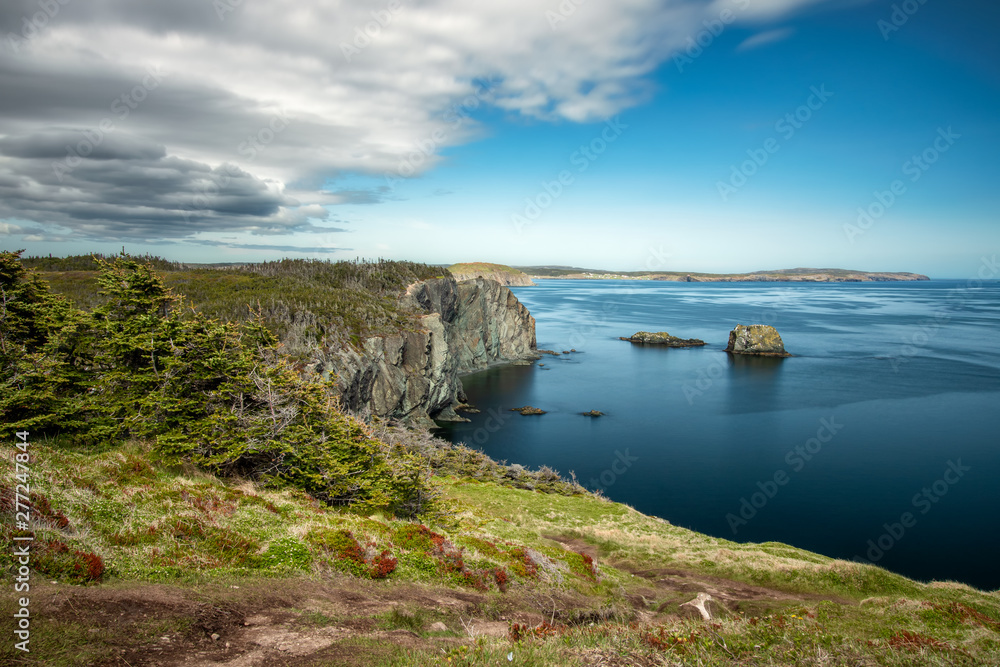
800, 275
505, 275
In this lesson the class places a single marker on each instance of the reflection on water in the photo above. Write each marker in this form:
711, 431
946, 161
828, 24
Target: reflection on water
756, 380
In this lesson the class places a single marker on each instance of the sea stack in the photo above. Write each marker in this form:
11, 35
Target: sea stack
661, 338
757, 339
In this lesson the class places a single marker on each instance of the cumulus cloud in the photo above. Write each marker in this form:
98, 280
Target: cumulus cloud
152, 120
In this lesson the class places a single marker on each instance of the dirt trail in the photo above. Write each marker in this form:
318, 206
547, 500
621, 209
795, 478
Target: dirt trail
344, 621
287, 622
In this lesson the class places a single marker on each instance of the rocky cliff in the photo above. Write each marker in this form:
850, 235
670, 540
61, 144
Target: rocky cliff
414, 375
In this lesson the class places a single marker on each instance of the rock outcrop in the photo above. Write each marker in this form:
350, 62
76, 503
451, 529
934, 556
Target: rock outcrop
505, 275
757, 339
662, 338
414, 375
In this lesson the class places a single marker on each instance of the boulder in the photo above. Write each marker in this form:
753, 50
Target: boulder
593, 413
703, 607
662, 338
757, 339
528, 410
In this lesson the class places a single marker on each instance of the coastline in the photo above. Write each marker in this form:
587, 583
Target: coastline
744, 278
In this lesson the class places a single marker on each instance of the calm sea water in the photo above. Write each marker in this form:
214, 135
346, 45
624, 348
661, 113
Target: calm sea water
878, 440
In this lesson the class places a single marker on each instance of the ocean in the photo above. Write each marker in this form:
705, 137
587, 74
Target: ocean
876, 441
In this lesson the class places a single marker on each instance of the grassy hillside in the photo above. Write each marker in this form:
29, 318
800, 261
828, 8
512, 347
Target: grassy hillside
305, 302
505, 275
199, 568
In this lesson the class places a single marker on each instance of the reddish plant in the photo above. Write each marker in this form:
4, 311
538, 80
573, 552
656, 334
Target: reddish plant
43, 509
523, 565
382, 565
967, 613
501, 578
913, 641
55, 558
519, 631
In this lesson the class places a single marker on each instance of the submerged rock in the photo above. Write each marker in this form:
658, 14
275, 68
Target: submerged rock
662, 338
528, 410
758, 339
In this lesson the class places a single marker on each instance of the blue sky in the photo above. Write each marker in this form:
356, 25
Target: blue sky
755, 150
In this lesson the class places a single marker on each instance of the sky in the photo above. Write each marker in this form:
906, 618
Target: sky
681, 135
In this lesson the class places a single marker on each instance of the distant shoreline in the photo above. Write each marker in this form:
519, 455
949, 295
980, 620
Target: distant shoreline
785, 276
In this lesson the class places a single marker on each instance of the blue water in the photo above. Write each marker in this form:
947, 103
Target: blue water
894, 390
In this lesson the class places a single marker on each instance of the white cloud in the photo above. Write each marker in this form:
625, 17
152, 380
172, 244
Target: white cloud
402, 92
766, 37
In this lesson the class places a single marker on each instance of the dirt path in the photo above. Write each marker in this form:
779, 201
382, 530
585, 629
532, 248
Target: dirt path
343, 621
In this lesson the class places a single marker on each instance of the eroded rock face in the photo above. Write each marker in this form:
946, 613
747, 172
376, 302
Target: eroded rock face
758, 339
415, 375
662, 338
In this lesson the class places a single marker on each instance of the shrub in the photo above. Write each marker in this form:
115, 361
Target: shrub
347, 554
415, 537
216, 394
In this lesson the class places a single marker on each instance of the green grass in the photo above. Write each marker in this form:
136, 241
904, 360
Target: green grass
155, 523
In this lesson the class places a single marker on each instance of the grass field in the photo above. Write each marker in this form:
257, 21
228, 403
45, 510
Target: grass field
200, 570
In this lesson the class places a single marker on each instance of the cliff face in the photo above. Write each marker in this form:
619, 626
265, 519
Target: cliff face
414, 375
